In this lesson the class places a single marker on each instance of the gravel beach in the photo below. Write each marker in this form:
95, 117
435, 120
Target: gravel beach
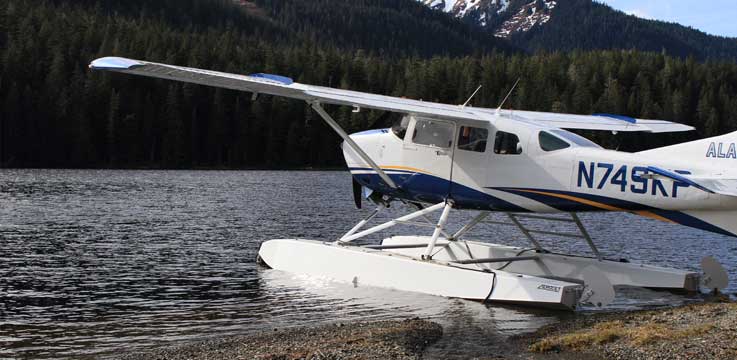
375, 340
698, 331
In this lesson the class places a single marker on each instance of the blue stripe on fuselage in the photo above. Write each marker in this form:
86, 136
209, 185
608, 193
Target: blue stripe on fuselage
688, 220
414, 186
573, 206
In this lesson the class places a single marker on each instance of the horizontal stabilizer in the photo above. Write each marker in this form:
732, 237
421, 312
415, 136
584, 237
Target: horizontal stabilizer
720, 186
677, 177
712, 185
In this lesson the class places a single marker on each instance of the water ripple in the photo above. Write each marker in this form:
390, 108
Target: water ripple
93, 262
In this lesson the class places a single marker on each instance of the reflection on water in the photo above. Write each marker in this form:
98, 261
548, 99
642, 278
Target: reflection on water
96, 261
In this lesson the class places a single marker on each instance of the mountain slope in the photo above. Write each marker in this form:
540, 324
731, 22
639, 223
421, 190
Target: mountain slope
386, 27
557, 25
583, 24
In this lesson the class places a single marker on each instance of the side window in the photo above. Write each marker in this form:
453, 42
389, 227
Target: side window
472, 139
550, 142
506, 144
433, 133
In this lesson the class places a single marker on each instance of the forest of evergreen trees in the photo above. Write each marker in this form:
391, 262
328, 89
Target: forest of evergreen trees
57, 113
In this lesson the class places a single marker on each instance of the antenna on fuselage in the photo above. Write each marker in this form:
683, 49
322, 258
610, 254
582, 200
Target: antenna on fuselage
472, 95
499, 109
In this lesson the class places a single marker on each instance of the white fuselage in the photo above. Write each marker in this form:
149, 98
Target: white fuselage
477, 166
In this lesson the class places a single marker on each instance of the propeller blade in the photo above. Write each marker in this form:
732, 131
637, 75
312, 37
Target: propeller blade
357, 193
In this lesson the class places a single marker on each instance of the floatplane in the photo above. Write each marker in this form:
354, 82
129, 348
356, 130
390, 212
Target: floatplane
524, 164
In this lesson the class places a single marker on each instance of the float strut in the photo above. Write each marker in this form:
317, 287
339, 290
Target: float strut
362, 223
470, 225
438, 230
391, 223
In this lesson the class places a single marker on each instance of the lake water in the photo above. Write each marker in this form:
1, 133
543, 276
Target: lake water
97, 262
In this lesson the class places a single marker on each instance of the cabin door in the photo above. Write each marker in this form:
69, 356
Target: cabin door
427, 157
470, 166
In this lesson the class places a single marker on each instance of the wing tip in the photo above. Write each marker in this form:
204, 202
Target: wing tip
114, 63
650, 125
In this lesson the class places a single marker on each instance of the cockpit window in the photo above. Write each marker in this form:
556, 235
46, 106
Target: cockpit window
433, 133
472, 139
550, 142
575, 138
400, 127
506, 144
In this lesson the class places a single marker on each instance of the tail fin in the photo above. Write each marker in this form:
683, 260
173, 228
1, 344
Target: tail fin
718, 152
715, 160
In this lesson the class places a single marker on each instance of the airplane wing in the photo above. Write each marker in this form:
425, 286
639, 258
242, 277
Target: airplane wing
283, 86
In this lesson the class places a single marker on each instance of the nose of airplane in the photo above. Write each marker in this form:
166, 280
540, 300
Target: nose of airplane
370, 142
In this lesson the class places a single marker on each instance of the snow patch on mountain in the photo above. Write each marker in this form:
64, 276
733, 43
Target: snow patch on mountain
526, 15
526, 18
461, 8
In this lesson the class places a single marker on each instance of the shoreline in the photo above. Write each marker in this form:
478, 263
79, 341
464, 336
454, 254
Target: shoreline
392, 339
704, 330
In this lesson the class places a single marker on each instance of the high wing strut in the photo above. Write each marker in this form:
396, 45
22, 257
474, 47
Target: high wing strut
329, 120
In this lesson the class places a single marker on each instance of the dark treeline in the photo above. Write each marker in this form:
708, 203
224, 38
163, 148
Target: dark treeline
57, 113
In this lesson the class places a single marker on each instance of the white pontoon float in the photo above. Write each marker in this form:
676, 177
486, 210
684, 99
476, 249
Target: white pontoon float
448, 265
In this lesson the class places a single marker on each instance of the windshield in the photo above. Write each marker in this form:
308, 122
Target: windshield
550, 142
575, 138
400, 127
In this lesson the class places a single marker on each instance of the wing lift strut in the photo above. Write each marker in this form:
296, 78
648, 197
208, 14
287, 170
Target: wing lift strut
352, 144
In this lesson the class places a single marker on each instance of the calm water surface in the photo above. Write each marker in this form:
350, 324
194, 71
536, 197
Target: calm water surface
97, 262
